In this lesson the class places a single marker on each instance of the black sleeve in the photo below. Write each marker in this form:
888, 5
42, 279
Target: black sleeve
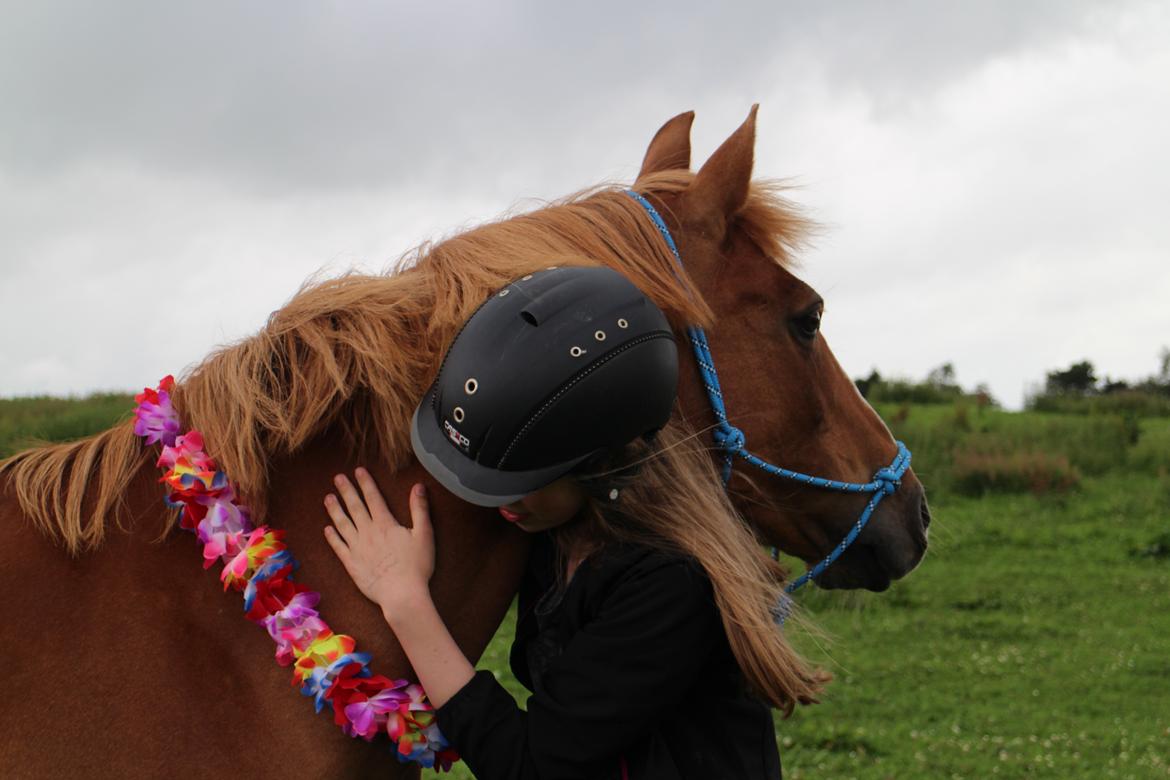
635, 660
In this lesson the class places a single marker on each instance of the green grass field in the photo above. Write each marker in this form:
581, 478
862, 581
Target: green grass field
1033, 641
27, 421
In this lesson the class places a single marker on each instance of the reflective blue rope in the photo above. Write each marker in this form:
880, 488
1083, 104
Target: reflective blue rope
732, 442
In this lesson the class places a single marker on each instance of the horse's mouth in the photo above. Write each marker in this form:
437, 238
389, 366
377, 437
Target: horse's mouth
858, 567
863, 566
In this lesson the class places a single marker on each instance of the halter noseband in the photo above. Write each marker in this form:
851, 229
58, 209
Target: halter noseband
732, 442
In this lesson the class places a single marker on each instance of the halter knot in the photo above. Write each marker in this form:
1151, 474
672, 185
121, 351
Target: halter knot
729, 438
888, 480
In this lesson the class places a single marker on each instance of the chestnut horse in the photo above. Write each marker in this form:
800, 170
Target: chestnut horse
124, 658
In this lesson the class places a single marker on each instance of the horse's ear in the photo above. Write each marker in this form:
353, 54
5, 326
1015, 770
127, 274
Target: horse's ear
720, 188
670, 149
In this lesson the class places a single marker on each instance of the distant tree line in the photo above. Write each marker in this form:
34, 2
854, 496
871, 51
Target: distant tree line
1080, 379
1076, 389
1079, 389
939, 387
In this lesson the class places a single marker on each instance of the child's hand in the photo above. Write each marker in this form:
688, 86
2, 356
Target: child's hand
391, 564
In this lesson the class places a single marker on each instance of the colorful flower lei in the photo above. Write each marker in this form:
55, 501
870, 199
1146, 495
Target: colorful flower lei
257, 562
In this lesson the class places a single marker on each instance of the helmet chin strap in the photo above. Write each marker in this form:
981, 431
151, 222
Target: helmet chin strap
732, 442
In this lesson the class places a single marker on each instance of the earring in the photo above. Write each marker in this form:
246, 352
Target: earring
613, 494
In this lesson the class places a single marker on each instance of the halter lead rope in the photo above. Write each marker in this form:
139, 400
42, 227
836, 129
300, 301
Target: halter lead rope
732, 442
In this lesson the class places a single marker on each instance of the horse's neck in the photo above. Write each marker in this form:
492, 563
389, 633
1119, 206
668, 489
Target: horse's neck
479, 558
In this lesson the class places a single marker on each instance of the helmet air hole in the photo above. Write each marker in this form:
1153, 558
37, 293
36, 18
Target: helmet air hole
526, 278
503, 292
599, 335
458, 414
470, 386
576, 352
622, 323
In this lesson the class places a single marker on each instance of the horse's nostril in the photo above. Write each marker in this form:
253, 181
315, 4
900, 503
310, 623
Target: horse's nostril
925, 512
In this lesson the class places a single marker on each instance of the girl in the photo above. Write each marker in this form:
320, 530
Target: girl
645, 627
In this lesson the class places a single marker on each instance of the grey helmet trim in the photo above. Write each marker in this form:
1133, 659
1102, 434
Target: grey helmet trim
519, 483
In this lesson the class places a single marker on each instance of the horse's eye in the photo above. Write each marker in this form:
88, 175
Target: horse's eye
808, 324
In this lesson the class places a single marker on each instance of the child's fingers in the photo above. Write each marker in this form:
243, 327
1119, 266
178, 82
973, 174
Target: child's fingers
353, 502
420, 511
373, 496
345, 527
339, 547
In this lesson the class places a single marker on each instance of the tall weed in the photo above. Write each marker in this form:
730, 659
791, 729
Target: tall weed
976, 473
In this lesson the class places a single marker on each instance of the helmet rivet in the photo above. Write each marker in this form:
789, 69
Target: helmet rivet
599, 335
457, 413
503, 292
613, 494
470, 386
622, 323
576, 352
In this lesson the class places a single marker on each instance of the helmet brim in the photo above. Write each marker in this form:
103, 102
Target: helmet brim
475, 483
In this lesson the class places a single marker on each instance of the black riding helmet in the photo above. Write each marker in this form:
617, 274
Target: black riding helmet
553, 368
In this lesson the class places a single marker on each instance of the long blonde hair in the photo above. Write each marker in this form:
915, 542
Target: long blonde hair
670, 497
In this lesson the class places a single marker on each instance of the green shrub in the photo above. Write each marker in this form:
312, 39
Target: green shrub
1158, 547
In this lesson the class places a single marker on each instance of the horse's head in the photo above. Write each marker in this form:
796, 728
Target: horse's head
782, 385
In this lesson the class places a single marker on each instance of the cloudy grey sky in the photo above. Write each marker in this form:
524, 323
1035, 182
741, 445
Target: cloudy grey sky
993, 175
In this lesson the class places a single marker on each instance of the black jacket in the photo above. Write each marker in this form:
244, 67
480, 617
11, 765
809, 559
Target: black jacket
629, 662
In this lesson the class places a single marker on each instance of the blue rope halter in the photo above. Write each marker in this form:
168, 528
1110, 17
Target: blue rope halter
732, 442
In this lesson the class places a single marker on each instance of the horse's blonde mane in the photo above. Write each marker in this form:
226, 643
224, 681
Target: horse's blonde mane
358, 351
